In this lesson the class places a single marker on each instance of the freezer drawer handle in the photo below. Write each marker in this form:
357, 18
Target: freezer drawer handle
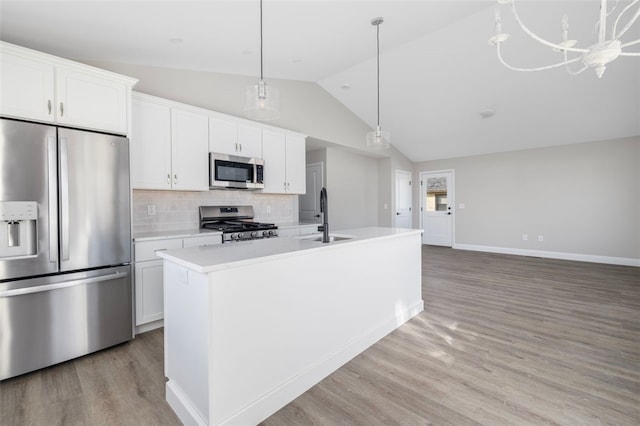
57, 286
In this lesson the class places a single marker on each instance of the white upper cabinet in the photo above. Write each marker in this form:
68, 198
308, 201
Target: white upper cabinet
150, 144
189, 150
223, 135
284, 162
37, 86
273, 153
90, 101
295, 164
234, 136
169, 145
27, 88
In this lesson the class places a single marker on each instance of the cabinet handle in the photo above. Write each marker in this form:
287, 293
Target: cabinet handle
49, 106
240, 145
175, 179
168, 177
61, 109
236, 146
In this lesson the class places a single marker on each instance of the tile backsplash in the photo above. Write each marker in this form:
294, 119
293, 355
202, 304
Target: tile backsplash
178, 210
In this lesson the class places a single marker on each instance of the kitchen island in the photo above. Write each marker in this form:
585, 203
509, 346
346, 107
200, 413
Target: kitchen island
250, 326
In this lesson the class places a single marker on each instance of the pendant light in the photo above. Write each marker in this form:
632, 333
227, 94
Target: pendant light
262, 102
378, 139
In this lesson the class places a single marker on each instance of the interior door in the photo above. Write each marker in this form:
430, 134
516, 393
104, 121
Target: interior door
94, 200
310, 201
437, 208
403, 199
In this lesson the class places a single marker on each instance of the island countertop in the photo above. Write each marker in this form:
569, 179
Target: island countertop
207, 259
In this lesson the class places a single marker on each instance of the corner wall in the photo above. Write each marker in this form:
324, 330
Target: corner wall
584, 199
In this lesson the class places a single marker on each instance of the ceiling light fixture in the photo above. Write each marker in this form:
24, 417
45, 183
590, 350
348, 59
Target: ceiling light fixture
262, 102
378, 139
596, 56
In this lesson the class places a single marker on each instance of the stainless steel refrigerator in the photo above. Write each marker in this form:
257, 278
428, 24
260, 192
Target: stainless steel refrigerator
65, 244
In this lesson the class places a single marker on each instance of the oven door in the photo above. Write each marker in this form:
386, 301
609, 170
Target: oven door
233, 172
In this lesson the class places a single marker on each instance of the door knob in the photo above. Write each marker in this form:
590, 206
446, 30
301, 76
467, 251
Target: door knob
317, 215
448, 213
397, 214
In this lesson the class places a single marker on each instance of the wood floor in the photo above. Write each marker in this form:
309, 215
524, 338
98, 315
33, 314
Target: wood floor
502, 340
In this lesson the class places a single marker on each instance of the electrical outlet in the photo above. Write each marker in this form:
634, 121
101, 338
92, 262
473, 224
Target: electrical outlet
525, 237
461, 206
268, 209
540, 238
386, 206
151, 210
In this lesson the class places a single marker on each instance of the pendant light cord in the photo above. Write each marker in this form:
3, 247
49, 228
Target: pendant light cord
378, 64
261, 72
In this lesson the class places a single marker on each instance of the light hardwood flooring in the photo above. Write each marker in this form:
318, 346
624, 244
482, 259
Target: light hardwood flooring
503, 340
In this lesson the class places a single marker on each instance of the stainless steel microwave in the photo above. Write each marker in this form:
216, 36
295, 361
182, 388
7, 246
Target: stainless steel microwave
233, 172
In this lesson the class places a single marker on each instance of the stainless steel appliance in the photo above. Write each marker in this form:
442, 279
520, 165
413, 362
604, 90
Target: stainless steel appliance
235, 222
65, 244
233, 172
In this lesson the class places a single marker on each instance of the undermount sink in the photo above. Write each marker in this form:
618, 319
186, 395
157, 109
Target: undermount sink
333, 238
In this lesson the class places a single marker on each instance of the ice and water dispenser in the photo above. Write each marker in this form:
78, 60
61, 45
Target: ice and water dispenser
18, 229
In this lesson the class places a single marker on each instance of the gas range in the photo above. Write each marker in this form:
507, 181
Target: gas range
235, 222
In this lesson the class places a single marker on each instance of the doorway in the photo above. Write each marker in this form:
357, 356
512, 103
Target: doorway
402, 217
310, 200
437, 201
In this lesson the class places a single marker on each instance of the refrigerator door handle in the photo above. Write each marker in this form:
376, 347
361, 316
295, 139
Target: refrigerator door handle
64, 200
53, 198
57, 286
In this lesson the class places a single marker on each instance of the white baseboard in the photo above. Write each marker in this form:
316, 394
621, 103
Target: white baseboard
551, 254
149, 326
181, 405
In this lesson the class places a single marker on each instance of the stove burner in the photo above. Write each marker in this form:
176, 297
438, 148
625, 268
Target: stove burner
235, 223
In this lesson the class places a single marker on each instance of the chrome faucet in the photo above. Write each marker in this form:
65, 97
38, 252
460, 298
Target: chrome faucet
324, 209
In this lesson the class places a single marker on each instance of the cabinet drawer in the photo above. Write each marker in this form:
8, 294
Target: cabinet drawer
202, 241
145, 250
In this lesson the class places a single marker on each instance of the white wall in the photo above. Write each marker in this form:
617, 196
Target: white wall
305, 106
387, 185
352, 189
583, 198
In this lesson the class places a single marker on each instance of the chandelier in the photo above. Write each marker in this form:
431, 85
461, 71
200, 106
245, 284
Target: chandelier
603, 50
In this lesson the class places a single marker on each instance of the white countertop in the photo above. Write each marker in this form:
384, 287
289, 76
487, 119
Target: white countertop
183, 233
296, 224
231, 255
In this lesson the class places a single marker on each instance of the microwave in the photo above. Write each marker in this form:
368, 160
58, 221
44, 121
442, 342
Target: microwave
233, 172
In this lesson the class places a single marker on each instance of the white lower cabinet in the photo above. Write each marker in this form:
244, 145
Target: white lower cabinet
149, 288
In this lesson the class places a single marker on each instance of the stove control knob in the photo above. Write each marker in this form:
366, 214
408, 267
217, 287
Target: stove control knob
265, 233
254, 234
235, 237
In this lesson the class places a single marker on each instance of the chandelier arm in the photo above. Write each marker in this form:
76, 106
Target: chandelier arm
547, 67
540, 39
568, 68
629, 24
630, 54
615, 24
630, 43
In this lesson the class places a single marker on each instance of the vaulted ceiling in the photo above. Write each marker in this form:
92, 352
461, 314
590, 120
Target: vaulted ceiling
437, 70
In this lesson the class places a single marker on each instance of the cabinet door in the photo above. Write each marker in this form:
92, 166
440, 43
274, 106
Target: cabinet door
189, 148
249, 140
150, 145
223, 135
90, 101
26, 86
149, 291
273, 153
295, 164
